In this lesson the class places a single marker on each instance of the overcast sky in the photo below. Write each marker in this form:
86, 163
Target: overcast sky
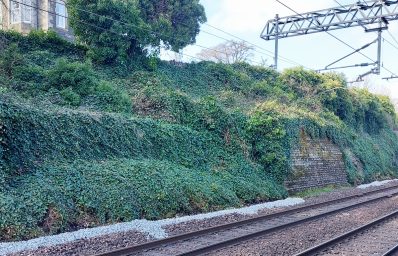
247, 18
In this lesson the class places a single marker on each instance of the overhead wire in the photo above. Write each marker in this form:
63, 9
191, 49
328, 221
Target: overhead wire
396, 47
206, 32
255, 45
201, 46
393, 38
157, 33
127, 24
392, 73
264, 51
63, 16
340, 40
254, 49
90, 24
228, 40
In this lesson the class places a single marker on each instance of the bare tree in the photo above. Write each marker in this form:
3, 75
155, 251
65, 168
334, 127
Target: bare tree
264, 62
228, 52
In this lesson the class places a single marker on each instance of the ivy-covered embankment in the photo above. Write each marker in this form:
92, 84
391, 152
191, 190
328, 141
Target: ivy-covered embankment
84, 144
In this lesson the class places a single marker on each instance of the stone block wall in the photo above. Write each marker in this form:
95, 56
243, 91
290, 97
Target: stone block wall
316, 163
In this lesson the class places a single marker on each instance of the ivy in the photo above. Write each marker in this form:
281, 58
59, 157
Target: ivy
85, 144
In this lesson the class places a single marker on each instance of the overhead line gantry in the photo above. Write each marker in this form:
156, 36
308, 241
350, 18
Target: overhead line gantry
375, 12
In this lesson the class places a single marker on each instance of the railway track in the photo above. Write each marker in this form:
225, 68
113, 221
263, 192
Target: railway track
211, 239
392, 252
378, 237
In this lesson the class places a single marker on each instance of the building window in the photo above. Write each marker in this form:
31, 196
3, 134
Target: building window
27, 11
60, 11
15, 12
1, 14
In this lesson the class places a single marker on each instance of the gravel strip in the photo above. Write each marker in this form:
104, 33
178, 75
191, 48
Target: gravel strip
91, 246
154, 229
376, 183
149, 228
295, 239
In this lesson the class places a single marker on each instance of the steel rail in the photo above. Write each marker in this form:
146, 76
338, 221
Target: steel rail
392, 251
240, 239
187, 236
335, 240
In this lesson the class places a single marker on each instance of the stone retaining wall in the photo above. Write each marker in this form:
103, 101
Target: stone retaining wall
316, 163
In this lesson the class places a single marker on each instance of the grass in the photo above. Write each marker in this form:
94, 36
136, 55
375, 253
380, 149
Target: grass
313, 192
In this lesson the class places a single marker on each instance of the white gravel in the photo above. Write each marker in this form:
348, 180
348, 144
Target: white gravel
151, 228
376, 184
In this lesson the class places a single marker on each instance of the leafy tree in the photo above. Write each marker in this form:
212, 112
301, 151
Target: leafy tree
103, 26
120, 29
175, 22
228, 52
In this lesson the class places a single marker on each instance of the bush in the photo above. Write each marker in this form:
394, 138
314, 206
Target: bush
71, 97
303, 83
43, 40
93, 135
80, 77
113, 99
10, 58
227, 77
30, 74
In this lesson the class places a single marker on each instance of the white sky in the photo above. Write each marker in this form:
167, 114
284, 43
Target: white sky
247, 18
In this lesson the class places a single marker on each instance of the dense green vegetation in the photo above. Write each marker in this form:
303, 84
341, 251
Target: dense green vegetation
84, 144
131, 28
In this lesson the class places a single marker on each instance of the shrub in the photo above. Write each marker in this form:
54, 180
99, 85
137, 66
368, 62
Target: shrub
43, 40
10, 58
71, 97
303, 83
227, 77
113, 99
30, 74
80, 77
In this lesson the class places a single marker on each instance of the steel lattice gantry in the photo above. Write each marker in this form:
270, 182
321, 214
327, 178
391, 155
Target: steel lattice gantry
331, 19
360, 14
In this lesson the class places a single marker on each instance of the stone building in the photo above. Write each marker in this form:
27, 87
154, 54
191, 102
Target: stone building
26, 15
